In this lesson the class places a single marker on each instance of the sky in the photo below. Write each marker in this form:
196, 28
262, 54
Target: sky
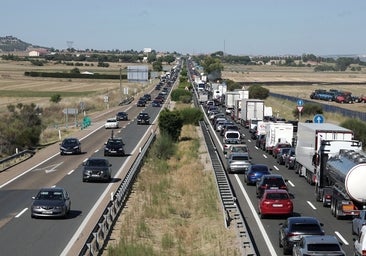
237, 27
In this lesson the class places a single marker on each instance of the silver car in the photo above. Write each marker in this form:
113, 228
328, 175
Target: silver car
318, 245
238, 162
51, 202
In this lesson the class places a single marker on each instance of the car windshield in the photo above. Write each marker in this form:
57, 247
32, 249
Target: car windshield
49, 195
97, 162
323, 247
256, 168
239, 149
273, 182
114, 142
305, 227
70, 142
277, 196
232, 135
240, 157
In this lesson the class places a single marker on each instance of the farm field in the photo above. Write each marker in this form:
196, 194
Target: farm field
288, 81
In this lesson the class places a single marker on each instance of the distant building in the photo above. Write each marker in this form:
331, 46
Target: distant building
37, 52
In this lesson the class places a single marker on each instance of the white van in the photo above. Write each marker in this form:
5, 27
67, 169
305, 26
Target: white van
360, 242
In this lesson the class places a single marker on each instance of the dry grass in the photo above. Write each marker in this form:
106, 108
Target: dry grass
174, 209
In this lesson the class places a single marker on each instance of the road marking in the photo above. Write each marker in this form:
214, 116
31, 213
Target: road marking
292, 184
255, 214
275, 168
311, 205
265, 156
19, 214
70, 172
344, 241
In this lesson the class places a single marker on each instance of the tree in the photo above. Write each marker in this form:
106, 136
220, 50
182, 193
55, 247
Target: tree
56, 98
170, 123
21, 128
258, 92
213, 67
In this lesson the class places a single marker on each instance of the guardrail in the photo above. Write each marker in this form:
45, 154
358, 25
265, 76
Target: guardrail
12, 160
98, 238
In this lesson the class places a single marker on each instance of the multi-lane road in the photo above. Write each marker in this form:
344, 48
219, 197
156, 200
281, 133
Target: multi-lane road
22, 235
265, 231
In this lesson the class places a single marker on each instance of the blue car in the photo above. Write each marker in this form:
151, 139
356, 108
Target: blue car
255, 172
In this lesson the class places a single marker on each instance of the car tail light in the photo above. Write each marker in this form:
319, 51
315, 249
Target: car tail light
363, 253
328, 197
283, 187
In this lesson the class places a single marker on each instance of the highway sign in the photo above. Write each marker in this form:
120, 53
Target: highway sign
299, 108
300, 103
319, 119
70, 111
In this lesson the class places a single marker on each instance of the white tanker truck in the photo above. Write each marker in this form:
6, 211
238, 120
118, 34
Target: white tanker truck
341, 182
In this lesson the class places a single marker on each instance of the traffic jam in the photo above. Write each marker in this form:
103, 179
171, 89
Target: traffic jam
324, 155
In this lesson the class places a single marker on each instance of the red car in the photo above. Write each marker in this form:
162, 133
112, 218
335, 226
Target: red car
275, 202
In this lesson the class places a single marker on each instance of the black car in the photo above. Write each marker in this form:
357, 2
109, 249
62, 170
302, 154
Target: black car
270, 181
122, 116
147, 97
70, 146
97, 168
141, 103
294, 228
114, 147
143, 118
51, 202
156, 103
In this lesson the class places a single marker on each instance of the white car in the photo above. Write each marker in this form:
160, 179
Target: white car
358, 222
111, 123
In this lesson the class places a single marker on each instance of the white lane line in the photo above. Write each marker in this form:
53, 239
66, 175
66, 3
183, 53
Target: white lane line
70, 172
19, 214
255, 214
265, 156
275, 168
311, 205
34, 167
344, 241
292, 184
79, 232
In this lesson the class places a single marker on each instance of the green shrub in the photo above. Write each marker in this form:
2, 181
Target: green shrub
178, 93
191, 115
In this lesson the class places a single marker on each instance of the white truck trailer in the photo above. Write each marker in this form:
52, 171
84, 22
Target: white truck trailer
230, 98
309, 138
277, 132
251, 110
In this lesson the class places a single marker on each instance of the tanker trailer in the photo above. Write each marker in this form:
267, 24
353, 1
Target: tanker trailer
342, 182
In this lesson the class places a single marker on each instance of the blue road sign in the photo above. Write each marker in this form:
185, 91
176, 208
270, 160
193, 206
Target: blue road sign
319, 119
300, 103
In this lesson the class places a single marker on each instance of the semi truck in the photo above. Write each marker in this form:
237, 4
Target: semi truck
341, 181
309, 138
277, 132
251, 110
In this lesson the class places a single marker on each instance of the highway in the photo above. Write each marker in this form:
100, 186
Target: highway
265, 231
22, 235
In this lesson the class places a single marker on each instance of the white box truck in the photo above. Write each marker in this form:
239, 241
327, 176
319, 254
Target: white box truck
277, 132
309, 140
230, 98
252, 111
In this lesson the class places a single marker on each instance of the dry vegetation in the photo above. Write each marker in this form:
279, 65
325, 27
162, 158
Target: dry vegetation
16, 88
174, 208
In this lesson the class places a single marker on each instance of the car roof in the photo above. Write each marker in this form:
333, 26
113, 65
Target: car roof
272, 176
284, 191
319, 239
302, 219
51, 189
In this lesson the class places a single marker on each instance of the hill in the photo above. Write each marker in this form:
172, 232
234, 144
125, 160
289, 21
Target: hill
11, 44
